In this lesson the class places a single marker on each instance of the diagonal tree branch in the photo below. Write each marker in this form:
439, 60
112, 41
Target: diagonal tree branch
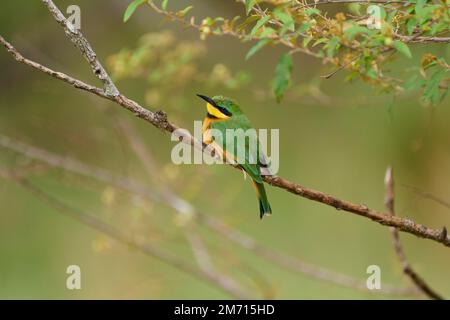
402, 224
159, 120
83, 45
56, 74
418, 281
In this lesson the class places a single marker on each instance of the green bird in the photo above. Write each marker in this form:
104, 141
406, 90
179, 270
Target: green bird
224, 114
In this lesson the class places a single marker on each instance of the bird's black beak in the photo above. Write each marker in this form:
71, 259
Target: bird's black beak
207, 99
211, 102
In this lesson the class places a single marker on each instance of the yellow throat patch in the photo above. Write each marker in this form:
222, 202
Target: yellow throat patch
215, 112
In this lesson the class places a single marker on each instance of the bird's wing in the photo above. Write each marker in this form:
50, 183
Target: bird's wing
246, 154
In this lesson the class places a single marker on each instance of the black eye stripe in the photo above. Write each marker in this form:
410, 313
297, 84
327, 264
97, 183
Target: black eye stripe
224, 111
214, 104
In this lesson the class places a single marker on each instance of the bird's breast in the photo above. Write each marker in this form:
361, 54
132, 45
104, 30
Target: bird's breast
206, 132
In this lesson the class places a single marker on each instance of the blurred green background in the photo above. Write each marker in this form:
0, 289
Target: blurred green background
339, 141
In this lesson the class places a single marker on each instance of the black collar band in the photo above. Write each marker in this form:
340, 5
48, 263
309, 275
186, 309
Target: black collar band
210, 116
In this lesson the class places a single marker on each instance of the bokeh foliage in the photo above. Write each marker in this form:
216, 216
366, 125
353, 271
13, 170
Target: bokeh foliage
362, 39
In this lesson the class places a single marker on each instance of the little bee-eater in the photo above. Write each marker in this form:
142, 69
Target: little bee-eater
223, 114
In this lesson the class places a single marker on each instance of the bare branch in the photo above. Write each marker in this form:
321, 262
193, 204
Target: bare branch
83, 45
158, 119
418, 281
58, 75
402, 224
343, 66
421, 39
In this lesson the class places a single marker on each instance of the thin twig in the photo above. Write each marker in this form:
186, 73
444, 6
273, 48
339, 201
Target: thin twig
421, 39
417, 280
428, 195
85, 48
345, 65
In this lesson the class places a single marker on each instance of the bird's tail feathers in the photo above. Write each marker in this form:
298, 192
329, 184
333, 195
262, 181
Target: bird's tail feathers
264, 206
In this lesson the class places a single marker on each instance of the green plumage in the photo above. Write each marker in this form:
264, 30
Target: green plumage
248, 152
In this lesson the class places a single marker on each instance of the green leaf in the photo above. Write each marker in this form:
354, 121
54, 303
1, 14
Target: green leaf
131, 8
419, 8
391, 16
377, 41
208, 21
351, 32
249, 4
410, 25
183, 12
319, 41
432, 91
259, 24
428, 11
414, 82
331, 46
285, 18
372, 73
304, 27
246, 22
267, 32
306, 41
283, 73
355, 8
261, 43
438, 27
312, 11
402, 48
233, 21
164, 4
